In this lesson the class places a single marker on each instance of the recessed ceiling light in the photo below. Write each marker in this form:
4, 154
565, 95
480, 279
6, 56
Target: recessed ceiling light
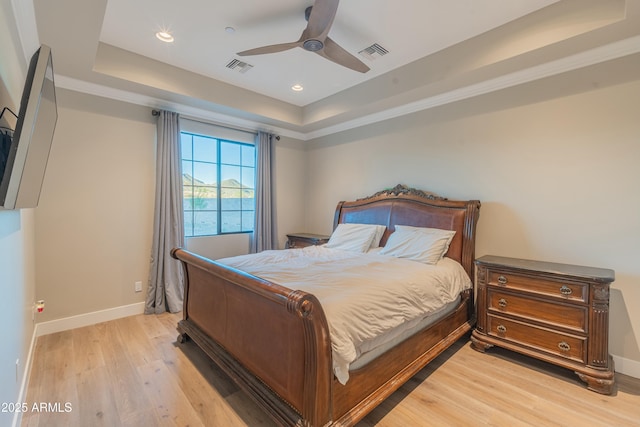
164, 36
230, 30
297, 87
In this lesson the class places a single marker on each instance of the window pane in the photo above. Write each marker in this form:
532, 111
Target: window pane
187, 198
248, 177
228, 173
231, 222
205, 223
205, 149
188, 223
248, 203
230, 153
186, 146
231, 199
187, 171
247, 220
204, 198
248, 155
204, 173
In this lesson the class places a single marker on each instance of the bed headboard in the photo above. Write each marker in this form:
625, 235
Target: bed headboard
407, 206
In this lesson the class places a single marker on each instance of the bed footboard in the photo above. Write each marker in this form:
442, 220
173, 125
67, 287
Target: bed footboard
260, 333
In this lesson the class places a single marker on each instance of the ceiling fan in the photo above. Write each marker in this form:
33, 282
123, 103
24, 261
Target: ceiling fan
315, 38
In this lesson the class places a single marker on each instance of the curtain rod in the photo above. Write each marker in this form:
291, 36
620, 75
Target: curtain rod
157, 113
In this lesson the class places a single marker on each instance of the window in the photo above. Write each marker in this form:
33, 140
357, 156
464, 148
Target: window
218, 182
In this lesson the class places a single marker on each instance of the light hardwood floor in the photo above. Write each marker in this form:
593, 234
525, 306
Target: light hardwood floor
130, 372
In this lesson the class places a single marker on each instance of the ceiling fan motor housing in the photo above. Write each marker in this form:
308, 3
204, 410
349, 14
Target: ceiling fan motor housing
312, 45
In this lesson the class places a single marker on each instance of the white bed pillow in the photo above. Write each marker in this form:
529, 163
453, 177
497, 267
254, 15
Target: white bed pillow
426, 230
355, 237
426, 245
375, 243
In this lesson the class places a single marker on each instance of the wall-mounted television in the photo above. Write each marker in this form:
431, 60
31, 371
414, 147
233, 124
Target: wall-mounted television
27, 154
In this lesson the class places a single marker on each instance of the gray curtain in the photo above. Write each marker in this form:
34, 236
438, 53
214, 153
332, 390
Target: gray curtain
264, 231
166, 281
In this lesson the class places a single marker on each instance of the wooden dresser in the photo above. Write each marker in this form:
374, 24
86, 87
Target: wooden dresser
301, 240
558, 313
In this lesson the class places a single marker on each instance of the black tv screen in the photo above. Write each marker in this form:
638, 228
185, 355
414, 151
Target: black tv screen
26, 160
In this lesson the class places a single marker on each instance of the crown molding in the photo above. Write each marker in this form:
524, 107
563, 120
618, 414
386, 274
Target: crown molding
103, 91
589, 57
594, 56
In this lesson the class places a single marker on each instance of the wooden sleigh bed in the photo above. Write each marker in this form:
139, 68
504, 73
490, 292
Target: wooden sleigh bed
274, 342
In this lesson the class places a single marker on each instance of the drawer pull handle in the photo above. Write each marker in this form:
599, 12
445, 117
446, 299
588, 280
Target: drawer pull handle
564, 346
502, 280
565, 290
502, 329
502, 302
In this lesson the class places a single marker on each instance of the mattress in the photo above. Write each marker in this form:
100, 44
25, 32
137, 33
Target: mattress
399, 334
370, 300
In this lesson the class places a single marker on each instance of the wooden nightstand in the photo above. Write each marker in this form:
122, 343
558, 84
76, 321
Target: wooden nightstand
301, 240
558, 313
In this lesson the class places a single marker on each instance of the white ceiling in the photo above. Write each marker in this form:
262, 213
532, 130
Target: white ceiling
440, 51
408, 29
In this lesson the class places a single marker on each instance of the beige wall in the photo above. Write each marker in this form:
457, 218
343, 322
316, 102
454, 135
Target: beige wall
557, 178
95, 217
94, 222
290, 175
17, 289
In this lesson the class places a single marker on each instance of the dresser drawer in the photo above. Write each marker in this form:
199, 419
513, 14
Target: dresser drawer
564, 290
553, 342
558, 314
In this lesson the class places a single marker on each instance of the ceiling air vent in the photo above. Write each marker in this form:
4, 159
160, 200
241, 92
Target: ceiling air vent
373, 51
239, 66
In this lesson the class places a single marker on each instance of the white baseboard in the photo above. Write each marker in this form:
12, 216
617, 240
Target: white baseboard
22, 397
626, 366
87, 319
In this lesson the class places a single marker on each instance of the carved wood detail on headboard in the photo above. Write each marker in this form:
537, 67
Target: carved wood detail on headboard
404, 190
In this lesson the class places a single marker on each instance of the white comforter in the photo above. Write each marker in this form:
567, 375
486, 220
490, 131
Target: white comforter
363, 295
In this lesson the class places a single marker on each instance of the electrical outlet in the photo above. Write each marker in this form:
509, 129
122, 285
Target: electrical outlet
138, 286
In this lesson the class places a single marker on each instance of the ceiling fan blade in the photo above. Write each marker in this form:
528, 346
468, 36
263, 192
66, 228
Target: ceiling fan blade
334, 52
274, 48
322, 14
